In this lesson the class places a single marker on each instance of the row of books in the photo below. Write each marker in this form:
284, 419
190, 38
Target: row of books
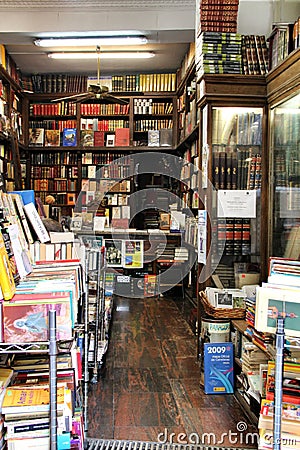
106, 158
237, 170
255, 55
102, 124
237, 128
26, 404
284, 38
290, 418
233, 236
148, 106
150, 82
118, 137
50, 158
64, 83
103, 109
218, 52
88, 137
218, 16
152, 124
277, 298
54, 83
61, 198
48, 184
57, 171
52, 109
113, 171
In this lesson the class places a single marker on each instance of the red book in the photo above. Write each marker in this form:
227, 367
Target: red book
122, 137
99, 138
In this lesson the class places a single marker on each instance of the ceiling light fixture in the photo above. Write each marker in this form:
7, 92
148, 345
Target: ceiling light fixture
103, 55
91, 41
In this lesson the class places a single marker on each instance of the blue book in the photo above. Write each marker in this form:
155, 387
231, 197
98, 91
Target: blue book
69, 137
218, 368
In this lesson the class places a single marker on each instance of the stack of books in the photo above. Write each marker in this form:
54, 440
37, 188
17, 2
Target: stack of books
218, 15
219, 52
255, 55
290, 407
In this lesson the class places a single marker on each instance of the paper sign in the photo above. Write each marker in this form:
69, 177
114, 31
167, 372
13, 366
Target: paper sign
237, 203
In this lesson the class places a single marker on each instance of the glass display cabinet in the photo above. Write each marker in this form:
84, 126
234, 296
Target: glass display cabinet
283, 95
285, 177
233, 173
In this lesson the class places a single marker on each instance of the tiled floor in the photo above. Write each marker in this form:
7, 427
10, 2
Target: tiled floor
151, 389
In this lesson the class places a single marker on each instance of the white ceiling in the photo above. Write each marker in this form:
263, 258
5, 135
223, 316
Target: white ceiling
168, 24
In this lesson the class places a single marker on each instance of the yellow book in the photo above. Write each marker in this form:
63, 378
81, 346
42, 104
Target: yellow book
2, 56
7, 282
34, 398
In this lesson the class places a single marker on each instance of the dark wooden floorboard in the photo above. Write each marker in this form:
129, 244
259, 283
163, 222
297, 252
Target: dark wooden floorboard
150, 389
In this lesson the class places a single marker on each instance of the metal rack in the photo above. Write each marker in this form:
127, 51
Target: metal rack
50, 347
95, 320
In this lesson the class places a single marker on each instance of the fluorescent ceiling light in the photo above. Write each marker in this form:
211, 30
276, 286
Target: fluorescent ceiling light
104, 55
91, 41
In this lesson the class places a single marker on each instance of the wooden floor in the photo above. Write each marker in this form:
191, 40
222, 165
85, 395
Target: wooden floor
151, 385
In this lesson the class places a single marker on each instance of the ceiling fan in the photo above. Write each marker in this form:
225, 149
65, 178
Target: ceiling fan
94, 91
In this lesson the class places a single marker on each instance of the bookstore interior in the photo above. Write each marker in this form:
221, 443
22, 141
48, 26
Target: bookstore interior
168, 185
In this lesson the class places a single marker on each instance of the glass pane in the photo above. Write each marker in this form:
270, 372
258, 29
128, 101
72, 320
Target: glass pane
236, 165
285, 167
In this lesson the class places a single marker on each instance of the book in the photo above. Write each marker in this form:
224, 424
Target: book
28, 399
69, 137
36, 222
36, 136
26, 317
87, 138
153, 138
122, 137
6, 375
7, 282
99, 140
52, 138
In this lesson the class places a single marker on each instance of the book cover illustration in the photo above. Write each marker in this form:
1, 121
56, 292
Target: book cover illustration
87, 138
69, 137
113, 252
52, 138
29, 322
133, 254
218, 368
36, 136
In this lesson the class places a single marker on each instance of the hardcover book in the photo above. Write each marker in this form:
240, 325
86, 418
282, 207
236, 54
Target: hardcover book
36, 136
87, 138
36, 222
122, 138
52, 138
7, 283
26, 317
69, 137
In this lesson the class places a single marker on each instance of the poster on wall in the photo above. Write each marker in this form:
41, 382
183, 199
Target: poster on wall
133, 254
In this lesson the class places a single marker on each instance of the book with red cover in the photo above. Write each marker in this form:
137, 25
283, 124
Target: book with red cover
99, 138
122, 138
25, 317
